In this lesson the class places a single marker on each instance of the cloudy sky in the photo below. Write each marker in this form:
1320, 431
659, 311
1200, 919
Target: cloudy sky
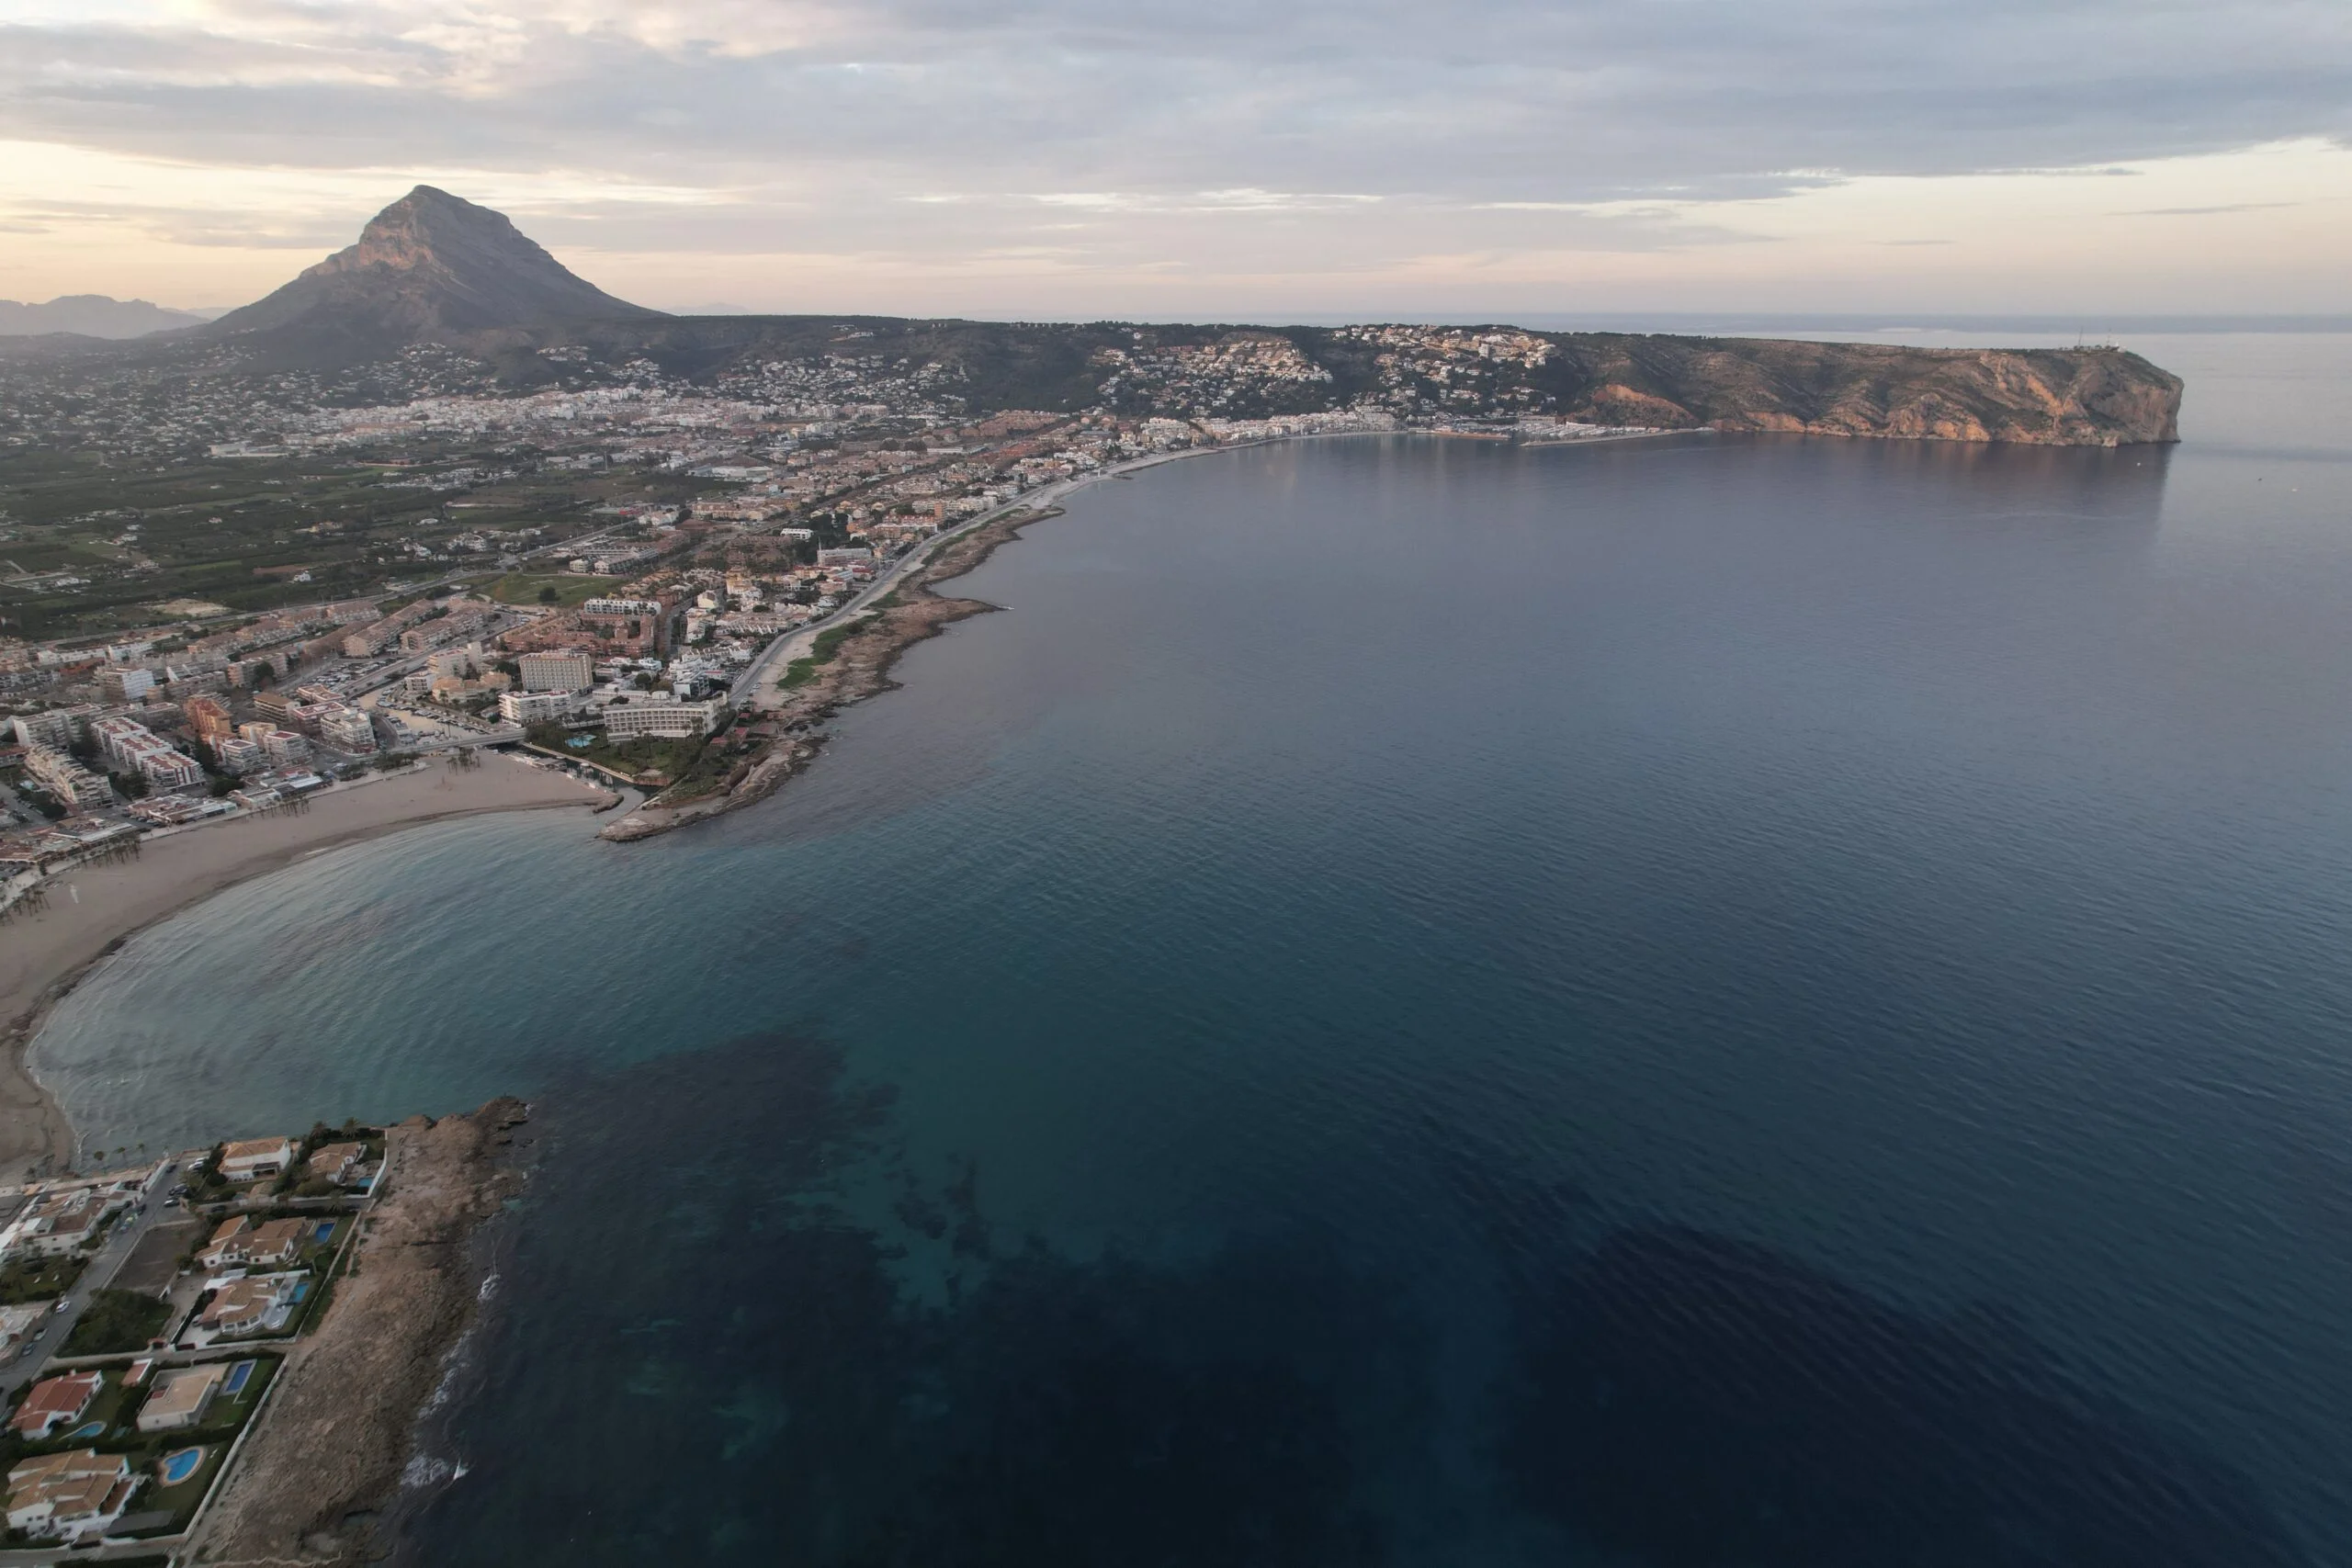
1234, 158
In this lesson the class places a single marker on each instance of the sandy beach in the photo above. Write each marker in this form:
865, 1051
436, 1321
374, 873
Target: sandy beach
91, 910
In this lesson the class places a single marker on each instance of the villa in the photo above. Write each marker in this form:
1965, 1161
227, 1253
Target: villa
61, 1222
253, 1158
181, 1398
252, 1306
335, 1162
54, 1402
238, 1241
69, 1494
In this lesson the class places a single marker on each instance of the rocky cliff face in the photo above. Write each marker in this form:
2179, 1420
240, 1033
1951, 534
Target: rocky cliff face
2085, 396
432, 267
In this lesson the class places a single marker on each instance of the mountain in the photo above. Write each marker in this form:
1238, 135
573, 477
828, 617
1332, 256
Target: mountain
433, 268
94, 315
430, 267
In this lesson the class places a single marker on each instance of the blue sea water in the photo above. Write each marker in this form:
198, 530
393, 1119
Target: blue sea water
1694, 1002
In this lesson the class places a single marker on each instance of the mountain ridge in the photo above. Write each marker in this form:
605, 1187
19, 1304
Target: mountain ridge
94, 316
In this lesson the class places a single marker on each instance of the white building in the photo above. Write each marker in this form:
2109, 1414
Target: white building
69, 781
255, 1157
535, 707
283, 747
57, 728
180, 1398
348, 730
238, 755
131, 747
69, 1495
658, 714
57, 1222
563, 671
126, 685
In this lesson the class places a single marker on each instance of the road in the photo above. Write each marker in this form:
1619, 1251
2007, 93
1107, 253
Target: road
125, 1235
794, 644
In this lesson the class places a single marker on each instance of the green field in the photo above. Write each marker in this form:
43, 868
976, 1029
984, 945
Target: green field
523, 588
116, 1320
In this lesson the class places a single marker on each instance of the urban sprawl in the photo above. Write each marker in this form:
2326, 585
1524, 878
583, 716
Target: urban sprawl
592, 572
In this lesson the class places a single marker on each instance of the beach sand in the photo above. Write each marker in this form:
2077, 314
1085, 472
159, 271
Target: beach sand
89, 910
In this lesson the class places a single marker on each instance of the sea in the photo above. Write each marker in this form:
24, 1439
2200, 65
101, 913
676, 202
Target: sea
1697, 1003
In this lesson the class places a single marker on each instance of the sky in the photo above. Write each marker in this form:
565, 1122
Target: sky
1226, 159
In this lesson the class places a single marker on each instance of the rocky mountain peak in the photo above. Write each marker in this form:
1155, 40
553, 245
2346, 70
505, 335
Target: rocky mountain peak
432, 267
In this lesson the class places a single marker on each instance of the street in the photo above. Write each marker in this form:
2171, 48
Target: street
121, 1239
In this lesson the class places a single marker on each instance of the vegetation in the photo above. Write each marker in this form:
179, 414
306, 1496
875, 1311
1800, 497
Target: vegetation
37, 1279
800, 671
559, 589
116, 1320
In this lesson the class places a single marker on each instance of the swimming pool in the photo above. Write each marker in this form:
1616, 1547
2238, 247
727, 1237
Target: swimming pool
239, 1375
326, 1232
94, 1429
178, 1467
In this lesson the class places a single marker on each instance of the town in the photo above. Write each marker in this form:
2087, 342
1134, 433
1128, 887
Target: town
145, 1313
302, 591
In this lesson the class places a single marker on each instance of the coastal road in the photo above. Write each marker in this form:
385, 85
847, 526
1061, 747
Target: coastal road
119, 1241
764, 671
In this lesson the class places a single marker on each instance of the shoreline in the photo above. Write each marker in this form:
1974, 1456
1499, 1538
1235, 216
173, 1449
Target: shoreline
907, 608
323, 1466
871, 643
46, 955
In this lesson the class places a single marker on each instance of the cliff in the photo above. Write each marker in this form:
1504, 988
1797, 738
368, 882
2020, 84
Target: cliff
2084, 397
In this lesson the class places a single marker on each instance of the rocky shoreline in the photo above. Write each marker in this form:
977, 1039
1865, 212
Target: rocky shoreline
859, 667
329, 1454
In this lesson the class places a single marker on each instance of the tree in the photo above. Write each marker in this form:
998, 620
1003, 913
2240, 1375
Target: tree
547, 595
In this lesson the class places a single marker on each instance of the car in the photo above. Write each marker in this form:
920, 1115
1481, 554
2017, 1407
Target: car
63, 1303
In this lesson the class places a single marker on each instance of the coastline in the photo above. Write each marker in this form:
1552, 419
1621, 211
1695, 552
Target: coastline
322, 1465
899, 609
96, 909
909, 610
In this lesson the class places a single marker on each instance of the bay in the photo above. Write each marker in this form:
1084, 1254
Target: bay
1704, 1000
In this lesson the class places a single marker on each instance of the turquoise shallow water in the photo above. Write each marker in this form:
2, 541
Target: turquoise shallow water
1704, 1001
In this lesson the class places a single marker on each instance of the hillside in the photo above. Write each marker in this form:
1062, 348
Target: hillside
93, 315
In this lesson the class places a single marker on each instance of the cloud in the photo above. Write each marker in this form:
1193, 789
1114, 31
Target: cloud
1372, 130
2205, 211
